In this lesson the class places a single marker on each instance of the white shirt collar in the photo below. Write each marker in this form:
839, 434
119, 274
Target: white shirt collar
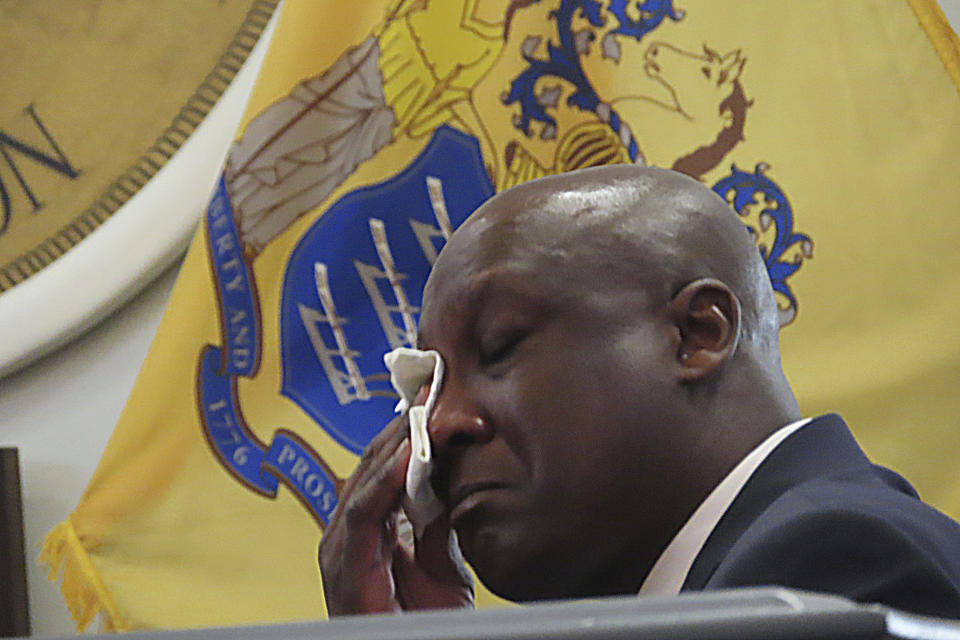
671, 568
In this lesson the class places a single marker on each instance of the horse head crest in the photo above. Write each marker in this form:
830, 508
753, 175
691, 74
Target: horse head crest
723, 69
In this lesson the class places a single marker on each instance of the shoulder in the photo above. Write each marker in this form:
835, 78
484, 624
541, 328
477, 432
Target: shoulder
865, 540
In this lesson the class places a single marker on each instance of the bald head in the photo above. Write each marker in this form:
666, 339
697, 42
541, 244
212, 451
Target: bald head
644, 228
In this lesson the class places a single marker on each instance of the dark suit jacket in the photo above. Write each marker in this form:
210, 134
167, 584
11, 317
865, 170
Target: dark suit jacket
818, 515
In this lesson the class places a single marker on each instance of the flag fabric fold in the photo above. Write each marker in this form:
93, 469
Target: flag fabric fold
375, 128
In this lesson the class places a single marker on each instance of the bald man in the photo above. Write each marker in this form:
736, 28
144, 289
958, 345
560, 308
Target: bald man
614, 419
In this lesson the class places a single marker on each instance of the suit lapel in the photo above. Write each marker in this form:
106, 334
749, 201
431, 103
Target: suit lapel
823, 447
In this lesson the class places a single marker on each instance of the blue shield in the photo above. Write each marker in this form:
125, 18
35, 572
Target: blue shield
353, 285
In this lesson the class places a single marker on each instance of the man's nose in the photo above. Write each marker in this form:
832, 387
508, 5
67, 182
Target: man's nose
456, 419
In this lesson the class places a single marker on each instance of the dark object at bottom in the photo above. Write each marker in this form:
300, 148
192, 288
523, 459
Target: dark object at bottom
14, 613
741, 614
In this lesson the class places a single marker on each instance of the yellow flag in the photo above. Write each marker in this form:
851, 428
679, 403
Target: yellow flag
377, 127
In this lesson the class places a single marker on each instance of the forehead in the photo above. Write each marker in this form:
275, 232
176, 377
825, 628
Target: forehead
490, 270
498, 278
527, 226
464, 293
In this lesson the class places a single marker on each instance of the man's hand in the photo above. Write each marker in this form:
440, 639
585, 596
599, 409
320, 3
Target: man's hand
368, 559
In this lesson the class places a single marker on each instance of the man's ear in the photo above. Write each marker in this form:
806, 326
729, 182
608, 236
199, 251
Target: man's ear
707, 315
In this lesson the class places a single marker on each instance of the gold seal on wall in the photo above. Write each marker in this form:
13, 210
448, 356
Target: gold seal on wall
98, 96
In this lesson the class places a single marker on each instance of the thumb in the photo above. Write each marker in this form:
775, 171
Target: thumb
438, 552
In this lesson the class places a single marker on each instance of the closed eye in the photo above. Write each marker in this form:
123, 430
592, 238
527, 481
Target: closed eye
500, 346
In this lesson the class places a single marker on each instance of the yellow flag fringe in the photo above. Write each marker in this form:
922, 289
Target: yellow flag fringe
81, 586
944, 38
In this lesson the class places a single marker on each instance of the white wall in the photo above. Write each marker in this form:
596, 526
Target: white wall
60, 412
952, 9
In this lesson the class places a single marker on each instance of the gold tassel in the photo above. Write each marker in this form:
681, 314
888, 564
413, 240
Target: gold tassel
81, 586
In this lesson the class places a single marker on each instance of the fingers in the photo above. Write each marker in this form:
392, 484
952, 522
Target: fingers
422, 395
356, 549
435, 576
380, 448
376, 494
368, 562
375, 455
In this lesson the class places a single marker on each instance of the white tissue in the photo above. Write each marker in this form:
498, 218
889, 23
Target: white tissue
409, 370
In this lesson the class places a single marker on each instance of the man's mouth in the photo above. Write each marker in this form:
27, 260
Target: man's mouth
465, 497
